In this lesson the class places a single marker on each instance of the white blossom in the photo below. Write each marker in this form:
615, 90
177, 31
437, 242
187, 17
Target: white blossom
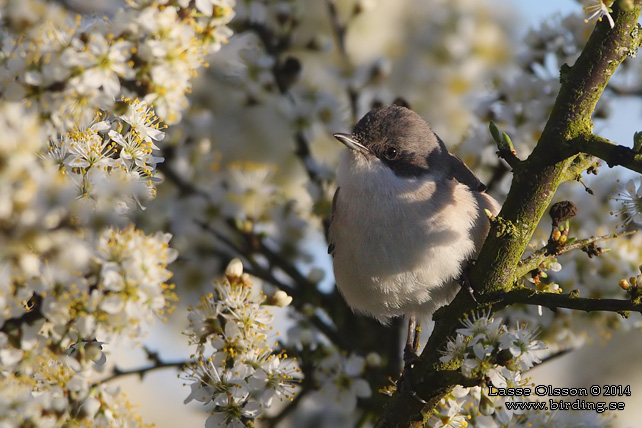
630, 199
598, 9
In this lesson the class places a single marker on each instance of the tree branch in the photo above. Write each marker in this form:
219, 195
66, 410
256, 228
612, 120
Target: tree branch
157, 364
571, 300
613, 154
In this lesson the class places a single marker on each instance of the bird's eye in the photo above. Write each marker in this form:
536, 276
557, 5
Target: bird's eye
391, 153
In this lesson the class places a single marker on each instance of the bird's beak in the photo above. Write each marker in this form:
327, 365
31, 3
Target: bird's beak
351, 143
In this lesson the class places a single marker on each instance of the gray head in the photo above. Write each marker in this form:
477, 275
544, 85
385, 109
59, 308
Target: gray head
401, 139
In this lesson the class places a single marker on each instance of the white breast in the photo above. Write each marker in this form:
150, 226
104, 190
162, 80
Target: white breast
398, 243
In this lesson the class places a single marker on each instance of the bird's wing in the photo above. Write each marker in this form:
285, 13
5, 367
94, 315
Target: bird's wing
460, 172
334, 207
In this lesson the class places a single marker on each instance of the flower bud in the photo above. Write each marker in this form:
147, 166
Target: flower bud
89, 408
280, 299
363, 6
624, 284
494, 132
555, 267
507, 143
486, 406
234, 270
95, 353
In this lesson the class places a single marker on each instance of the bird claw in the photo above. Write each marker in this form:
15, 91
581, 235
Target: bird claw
470, 290
404, 384
464, 281
410, 357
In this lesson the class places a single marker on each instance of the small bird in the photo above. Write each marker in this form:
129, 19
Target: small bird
407, 217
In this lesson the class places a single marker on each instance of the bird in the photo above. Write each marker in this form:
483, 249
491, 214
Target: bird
407, 218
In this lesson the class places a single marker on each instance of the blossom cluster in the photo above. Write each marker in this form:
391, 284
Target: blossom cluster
487, 350
109, 288
50, 258
55, 391
52, 313
66, 280
496, 355
236, 373
73, 276
68, 67
112, 161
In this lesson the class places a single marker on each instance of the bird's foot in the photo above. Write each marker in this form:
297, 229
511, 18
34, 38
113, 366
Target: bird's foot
464, 280
410, 357
404, 384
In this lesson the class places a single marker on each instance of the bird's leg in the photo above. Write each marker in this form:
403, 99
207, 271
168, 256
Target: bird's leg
464, 280
410, 358
412, 343
415, 343
412, 323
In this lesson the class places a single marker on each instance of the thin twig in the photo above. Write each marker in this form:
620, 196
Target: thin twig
553, 301
534, 260
553, 356
338, 28
179, 365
